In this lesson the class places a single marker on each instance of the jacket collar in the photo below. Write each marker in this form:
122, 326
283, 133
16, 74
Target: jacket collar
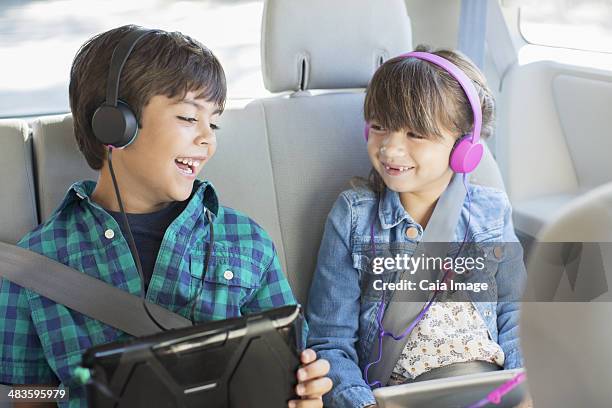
391, 211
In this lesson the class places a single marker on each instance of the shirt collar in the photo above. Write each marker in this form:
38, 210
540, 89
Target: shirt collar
391, 211
203, 192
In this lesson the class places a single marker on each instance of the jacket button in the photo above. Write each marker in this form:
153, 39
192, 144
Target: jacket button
229, 275
498, 252
109, 233
412, 232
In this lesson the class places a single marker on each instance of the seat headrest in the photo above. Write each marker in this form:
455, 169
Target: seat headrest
322, 44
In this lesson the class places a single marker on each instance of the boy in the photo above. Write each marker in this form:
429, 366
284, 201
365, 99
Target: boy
176, 88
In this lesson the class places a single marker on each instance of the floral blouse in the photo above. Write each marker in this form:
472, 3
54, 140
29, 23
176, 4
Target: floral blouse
452, 331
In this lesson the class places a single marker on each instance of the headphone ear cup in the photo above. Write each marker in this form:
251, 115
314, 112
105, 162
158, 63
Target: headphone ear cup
115, 126
466, 155
366, 131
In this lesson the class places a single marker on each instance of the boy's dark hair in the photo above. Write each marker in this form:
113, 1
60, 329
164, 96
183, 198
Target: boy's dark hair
410, 93
162, 63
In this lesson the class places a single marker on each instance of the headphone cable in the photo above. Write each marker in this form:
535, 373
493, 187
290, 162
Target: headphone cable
131, 242
381, 309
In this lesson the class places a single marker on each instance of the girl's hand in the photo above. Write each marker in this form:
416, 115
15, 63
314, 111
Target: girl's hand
312, 383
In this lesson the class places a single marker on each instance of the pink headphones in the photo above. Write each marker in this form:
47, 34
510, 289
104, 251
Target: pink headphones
468, 151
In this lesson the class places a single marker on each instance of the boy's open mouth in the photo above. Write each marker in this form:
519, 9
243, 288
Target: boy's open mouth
188, 165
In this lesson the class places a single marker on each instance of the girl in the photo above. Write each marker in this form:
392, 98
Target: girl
416, 113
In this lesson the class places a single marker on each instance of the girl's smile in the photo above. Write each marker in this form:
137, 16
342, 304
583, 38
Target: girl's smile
395, 170
407, 163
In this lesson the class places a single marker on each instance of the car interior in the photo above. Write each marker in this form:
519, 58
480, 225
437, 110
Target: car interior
284, 158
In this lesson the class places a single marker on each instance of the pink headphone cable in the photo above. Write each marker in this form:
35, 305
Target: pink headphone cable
497, 394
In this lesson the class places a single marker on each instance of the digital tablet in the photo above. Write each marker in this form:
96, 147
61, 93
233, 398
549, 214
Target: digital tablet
452, 392
242, 362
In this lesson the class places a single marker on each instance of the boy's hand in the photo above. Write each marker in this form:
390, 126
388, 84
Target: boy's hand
312, 383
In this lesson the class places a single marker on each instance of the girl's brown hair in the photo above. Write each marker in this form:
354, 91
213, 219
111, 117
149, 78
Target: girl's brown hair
410, 93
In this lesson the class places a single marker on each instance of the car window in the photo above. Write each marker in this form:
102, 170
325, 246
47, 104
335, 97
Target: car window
576, 24
38, 40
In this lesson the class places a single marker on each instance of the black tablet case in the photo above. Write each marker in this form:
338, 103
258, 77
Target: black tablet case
239, 363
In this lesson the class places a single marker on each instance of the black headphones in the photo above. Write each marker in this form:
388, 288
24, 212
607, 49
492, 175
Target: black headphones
113, 123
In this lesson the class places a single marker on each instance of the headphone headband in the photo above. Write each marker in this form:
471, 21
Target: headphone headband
120, 55
466, 84
468, 151
114, 123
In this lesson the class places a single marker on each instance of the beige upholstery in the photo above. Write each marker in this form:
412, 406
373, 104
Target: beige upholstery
17, 201
316, 146
553, 149
58, 161
335, 49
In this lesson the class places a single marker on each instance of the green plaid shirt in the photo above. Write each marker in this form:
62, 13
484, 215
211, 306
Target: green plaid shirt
42, 341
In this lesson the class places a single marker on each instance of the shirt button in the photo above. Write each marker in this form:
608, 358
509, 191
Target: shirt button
229, 275
487, 313
412, 232
498, 252
109, 233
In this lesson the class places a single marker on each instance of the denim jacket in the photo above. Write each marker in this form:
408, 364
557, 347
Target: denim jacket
342, 317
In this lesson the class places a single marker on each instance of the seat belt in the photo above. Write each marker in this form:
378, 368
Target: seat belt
473, 30
83, 293
482, 23
404, 305
501, 47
